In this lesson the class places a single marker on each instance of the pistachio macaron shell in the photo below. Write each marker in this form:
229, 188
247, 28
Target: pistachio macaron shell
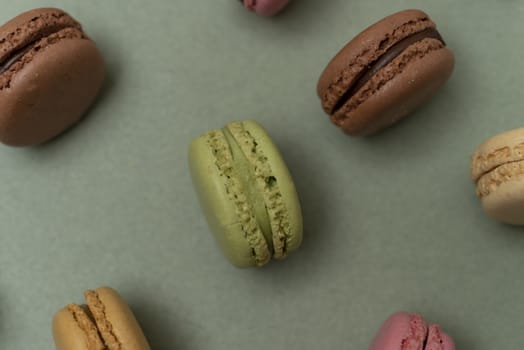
229, 168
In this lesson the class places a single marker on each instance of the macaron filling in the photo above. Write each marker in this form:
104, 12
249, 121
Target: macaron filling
15, 57
393, 52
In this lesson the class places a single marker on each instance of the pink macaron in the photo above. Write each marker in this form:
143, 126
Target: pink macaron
405, 331
265, 7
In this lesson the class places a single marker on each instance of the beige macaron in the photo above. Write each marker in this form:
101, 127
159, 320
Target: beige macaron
497, 168
105, 323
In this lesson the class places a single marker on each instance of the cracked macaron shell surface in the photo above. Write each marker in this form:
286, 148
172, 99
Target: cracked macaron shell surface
497, 169
247, 193
106, 322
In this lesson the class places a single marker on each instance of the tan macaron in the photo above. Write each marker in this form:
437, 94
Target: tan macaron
105, 323
497, 168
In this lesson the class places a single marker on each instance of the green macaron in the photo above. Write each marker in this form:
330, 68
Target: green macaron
247, 193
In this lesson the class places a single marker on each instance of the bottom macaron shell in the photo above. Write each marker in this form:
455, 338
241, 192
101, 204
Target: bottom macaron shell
50, 93
506, 203
400, 96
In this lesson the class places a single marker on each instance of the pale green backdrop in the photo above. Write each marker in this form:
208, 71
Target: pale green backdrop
391, 223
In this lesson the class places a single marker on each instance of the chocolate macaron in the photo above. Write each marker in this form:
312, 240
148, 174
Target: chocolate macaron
50, 73
385, 73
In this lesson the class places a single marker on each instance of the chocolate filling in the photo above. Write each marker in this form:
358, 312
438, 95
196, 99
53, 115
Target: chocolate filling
392, 53
15, 57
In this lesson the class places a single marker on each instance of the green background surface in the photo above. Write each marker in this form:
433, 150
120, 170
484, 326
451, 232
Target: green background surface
391, 223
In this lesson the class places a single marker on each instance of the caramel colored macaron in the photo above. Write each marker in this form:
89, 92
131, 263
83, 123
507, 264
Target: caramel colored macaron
105, 323
497, 169
385, 73
50, 73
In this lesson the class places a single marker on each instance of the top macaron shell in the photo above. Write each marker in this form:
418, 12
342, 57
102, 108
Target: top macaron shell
394, 91
51, 85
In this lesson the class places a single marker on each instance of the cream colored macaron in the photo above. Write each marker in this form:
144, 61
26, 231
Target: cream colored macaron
105, 323
497, 168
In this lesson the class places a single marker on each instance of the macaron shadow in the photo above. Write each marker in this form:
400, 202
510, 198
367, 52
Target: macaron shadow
510, 237
314, 203
162, 330
300, 9
461, 342
426, 126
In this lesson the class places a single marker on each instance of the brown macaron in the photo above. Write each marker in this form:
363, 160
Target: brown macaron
105, 323
50, 73
385, 73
